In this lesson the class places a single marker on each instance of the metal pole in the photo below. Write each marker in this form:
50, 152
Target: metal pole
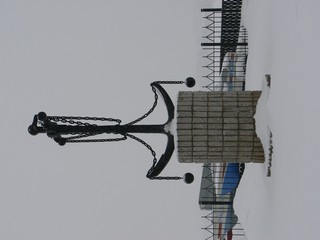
117, 129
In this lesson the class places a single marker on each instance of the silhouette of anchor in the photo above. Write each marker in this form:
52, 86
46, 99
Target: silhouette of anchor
81, 130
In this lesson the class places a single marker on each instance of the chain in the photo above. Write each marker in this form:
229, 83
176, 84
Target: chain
82, 136
76, 120
154, 159
165, 178
154, 162
143, 142
169, 82
155, 100
71, 119
151, 109
76, 140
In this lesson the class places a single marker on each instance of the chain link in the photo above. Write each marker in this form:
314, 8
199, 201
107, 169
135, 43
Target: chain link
76, 120
169, 82
165, 178
74, 140
143, 143
151, 109
154, 160
71, 119
155, 100
153, 153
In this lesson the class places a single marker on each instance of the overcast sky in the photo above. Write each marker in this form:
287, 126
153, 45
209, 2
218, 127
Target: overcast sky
92, 58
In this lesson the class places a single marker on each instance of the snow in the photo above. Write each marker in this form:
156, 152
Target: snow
283, 41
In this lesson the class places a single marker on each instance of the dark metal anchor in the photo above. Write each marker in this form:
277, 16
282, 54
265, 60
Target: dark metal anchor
73, 126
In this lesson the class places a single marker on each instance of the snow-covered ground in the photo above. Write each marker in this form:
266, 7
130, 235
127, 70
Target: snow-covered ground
284, 38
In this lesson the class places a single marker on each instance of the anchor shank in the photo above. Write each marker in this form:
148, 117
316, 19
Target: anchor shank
116, 129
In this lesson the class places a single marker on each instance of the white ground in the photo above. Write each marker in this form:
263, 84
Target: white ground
284, 38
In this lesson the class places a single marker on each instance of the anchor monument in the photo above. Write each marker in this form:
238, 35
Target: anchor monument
71, 129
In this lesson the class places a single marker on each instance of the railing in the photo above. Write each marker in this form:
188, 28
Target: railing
225, 47
218, 188
237, 232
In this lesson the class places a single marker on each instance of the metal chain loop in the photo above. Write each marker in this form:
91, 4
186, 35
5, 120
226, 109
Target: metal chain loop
151, 109
170, 82
154, 160
143, 142
166, 178
155, 100
75, 140
71, 119
81, 136
76, 120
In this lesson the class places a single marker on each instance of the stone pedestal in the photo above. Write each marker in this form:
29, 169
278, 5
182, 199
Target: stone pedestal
218, 127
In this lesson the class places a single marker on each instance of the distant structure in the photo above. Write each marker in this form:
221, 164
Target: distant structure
225, 47
226, 140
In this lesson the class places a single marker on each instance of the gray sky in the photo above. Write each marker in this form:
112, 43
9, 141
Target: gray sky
92, 58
